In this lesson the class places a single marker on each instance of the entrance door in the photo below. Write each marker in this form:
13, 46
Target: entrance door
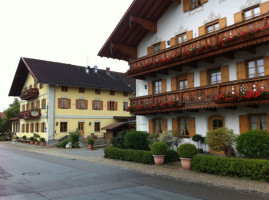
81, 129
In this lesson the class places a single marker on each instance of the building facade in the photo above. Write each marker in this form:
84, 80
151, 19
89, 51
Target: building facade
58, 98
199, 64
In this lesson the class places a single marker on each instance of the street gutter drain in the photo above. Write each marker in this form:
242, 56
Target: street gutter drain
30, 174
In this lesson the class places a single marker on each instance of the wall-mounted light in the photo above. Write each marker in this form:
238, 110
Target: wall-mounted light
57, 123
146, 86
168, 42
90, 123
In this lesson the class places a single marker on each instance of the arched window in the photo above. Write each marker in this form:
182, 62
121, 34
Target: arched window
216, 122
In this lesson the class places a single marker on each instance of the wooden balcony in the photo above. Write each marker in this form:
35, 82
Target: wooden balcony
29, 114
225, 95
246, 35
29, 94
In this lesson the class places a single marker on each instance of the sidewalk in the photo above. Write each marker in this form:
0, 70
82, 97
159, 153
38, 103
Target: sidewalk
172, 169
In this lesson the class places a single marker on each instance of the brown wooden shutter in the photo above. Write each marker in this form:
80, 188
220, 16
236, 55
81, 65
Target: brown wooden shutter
190, 79
116, 105
173, 41
59, 102
238, 17
186, 5
150, 50
203, 78
38, 104
174, 83
266, 65
189, 35
243, 123
101, 105
201, 30
223, 22
108, 105
163, 45
204, 1
68, 103
86, 104
93, 102
77, 107
23, 107
191, 126
150, 84
164, 121
164, 85
174, 125
225, 73
241, 70
264, 7
151, 128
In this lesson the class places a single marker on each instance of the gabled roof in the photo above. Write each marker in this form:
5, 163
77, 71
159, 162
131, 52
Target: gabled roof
68, 75
123, 34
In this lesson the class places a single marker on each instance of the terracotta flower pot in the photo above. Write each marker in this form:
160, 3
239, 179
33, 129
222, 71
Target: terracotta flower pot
186, 163
36, 142
159, 159
42, 143
90, 146
31, 142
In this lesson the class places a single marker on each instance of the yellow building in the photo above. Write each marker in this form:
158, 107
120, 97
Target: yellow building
57, 98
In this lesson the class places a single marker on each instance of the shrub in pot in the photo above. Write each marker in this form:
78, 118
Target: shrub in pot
90, 143
42, 141
23, 138
36, 141
159, 150
186, 152
32, 140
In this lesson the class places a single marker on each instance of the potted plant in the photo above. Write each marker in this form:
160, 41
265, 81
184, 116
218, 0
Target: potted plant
159, 150
23, 138
90, 143
186, 152
199, 139
32, 139
36, 141
42, 141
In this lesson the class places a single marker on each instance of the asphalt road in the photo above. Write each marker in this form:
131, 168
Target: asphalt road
32, 176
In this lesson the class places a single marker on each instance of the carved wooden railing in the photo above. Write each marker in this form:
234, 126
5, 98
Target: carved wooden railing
197, 98
29, 94
204, 47
29, 114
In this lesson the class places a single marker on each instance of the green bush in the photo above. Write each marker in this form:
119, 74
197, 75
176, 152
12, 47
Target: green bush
91, 141
197, 138
32, 139
62, 144
243, 168
136, 140
253, 144
42, 139
119, 140
74, 138
132, 155
24, 137
159, 148
35, 139
187, 150
15, 137
171, 156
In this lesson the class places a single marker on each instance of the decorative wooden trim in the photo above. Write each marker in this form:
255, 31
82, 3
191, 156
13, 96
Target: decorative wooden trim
146, 24
131, 51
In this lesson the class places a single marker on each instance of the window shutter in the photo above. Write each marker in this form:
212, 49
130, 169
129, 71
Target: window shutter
101, 105
174, 125
243, 123
116, 105
164, 85
225, 73
93, 102
203, 78
163, 45
150, 84
150, 50
151, 126
68, 103
241, 70
190, 79
174, 83
204, 1
201, 30
38, 104
264, 7
223, 22
191, 126
189, 35
164, 121
86, 104
266, 65
238, 17
77, 107
186, 5
59, 102
173, 41
108, 105
23, 107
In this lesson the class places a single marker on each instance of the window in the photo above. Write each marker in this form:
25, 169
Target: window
35, 85
183, 85
157, 87
43, 127
258, 122
255, 68
212, 27
63, 127
158, 125
112, 105
81, 90
40, 85
97, 105
23, 128
125, 94
27, 106
33, 105
97, 126
183, 124
81, 104
27, 128
30, 87
23, 107
32, 127
97, 91
125, 106
195, 3
44, 104
156, 47
36, 127
216, 122
64, 103
182, 38
252, 12
112, 92
64, 89
215, 76
38, 104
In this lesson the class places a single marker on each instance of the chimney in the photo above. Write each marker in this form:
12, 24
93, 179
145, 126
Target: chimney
108, 70
95, 69
87, 69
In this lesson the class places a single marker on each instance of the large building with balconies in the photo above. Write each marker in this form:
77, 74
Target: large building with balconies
199, 64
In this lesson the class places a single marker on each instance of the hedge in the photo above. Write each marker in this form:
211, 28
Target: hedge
139, 156
255, 169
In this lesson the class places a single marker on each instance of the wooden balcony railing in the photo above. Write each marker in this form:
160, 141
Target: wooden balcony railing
29, 94
29, 114
227, 95
222, 42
